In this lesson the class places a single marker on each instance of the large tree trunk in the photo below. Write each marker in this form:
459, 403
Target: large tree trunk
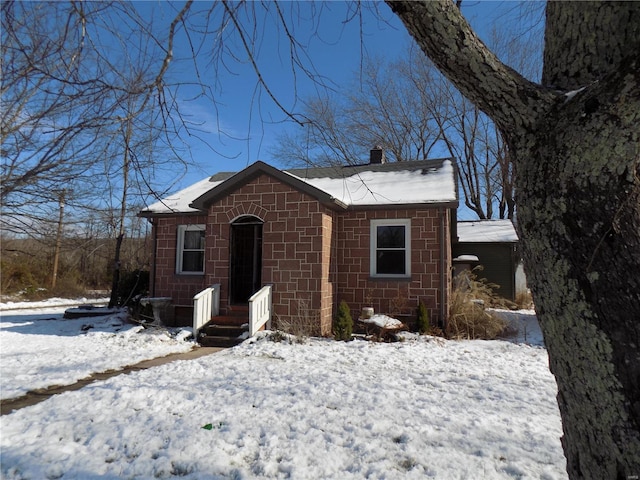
579, 216
577, 159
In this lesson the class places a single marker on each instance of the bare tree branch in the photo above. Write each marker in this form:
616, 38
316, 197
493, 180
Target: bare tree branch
461, 56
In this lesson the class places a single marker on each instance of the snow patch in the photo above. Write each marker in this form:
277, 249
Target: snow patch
382, 321
40, 348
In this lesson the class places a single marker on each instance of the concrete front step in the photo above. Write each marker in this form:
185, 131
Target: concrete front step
223, 332
233, 331
232, 320
221, 342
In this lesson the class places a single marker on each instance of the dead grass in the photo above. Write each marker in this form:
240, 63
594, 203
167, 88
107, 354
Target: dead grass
468, 317
524, 300
400, 303
305, 324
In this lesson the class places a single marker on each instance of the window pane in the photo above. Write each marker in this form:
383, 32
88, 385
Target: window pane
194, 240
390, 262
192, 261
391, 236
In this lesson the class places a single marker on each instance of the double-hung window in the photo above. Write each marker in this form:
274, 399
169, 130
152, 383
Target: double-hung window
391, 248
190, 249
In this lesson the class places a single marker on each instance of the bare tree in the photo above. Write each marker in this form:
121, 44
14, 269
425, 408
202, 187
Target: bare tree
385, 110
473, 140
382, 109
83, 84
41, 72
67, 69
413, 112
574, 141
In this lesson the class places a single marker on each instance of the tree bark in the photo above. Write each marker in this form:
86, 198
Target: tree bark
115, 275
584, 41
577, 158
446, 37
56, 252
580, 221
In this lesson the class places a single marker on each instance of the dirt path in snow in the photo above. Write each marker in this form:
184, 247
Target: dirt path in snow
36, 396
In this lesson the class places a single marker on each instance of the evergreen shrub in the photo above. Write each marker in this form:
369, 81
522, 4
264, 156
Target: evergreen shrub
343, 323
422, 321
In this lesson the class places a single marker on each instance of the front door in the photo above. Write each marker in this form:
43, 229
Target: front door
246, 259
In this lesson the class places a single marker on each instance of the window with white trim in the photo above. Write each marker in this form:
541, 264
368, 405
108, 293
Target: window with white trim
390, 248
190, 249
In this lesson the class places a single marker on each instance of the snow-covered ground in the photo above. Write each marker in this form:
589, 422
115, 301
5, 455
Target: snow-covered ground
422, 408
11, 305
39, 348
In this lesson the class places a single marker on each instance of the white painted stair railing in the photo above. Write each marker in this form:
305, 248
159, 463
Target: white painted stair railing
206, 305
260, 310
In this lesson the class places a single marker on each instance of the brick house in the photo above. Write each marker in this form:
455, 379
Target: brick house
376, 235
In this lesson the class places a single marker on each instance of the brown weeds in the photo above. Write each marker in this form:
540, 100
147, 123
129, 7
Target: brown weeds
468, 317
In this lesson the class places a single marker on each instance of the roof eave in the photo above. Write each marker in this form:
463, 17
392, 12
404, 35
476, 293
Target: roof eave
488, 242
388, 206
150, 214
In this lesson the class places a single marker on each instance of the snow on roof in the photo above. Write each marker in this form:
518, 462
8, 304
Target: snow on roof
434, 185
487, 231
420, 182
179, 201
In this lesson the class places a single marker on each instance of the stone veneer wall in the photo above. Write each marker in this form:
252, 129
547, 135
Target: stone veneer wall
313, 256
359, 289
296, 242
181, 288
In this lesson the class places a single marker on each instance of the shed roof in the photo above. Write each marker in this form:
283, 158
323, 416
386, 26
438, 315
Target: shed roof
371, 185
487, 231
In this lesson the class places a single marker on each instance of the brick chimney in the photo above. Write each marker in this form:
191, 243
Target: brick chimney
376, 156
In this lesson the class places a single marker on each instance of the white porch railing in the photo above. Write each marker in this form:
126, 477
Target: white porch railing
260, 310
206, 305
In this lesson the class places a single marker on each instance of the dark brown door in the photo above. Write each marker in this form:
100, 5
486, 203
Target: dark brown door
246, 259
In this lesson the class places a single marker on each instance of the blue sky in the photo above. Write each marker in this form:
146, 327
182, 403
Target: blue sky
244, 125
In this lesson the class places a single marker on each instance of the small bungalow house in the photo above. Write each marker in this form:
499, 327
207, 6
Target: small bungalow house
492, 244
377, 234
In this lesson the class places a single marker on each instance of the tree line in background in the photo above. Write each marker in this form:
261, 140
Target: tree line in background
72, 261
89, 121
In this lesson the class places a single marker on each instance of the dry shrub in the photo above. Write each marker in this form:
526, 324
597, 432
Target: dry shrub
468, 318
524, 299
305, 324
400, 303
68, 286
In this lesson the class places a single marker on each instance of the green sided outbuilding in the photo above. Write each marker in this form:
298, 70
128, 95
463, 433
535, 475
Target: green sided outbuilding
494, 245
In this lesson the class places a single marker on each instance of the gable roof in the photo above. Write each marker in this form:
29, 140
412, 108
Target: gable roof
487, 231
430, 182
255, 170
